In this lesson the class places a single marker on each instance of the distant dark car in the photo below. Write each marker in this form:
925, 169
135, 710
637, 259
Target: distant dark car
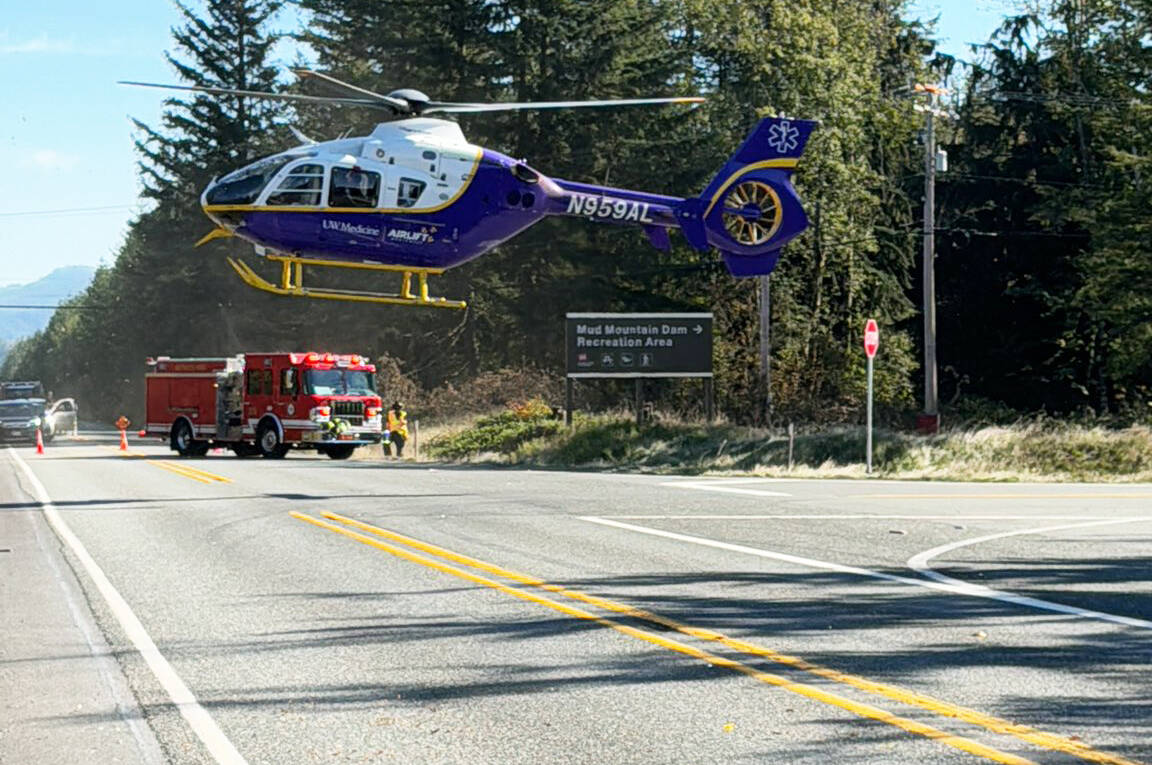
20, 417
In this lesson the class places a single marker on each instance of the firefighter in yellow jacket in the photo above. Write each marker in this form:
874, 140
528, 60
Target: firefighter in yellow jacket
398, 427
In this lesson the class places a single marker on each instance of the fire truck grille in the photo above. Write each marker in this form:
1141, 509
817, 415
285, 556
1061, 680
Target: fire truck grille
352, 411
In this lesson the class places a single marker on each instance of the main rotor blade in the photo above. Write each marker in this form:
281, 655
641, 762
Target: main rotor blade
448, 107
395, 103
272, 96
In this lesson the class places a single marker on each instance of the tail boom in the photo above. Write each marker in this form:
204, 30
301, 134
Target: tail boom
748, 212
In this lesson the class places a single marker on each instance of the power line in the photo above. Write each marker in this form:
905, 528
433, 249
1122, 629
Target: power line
1080, 99
59, 307
67, 210
1029, 181
1015, 233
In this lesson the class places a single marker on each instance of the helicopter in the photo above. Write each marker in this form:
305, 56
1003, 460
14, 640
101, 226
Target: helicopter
414, 197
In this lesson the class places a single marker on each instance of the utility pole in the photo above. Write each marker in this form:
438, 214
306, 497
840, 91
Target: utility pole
929, 421
766, 343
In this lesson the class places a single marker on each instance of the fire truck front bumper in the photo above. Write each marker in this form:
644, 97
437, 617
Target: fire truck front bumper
352, 437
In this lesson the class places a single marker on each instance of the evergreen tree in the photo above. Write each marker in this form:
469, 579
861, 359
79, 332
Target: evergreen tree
485, 50
843, 65
1043, 237
840, 63
161, 296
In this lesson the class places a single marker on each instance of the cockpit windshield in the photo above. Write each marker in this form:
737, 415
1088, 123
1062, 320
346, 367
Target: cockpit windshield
339, 382
243, 186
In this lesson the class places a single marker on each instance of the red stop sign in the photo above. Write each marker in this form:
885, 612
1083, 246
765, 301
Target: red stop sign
871, 338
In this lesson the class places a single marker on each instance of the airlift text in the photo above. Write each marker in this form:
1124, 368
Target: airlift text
606, 207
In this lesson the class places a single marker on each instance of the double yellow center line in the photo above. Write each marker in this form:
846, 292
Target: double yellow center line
203, 476
181, 469
945, 709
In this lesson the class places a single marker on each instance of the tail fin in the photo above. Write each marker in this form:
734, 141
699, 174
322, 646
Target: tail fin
750, 209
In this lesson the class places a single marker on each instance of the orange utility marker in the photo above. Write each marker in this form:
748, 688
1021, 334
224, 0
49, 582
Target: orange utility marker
39, 442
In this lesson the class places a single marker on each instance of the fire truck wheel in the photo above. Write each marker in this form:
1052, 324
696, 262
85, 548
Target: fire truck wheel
268, 439
183, 442
339, 451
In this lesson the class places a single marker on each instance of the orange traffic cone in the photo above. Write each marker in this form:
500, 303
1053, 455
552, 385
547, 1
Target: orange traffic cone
123, 440
39, 442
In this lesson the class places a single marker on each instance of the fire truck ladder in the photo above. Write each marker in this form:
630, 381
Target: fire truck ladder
292, 282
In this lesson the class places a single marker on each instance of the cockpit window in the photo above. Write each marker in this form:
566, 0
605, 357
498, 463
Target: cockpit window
243, 186
353, 187
408, 192
301, 186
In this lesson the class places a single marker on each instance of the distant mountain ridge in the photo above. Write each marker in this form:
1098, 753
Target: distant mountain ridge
57, 286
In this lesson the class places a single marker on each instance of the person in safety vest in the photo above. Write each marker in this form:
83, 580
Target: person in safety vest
335, 428
398, 427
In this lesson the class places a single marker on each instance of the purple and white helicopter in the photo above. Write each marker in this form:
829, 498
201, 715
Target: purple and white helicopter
415, 197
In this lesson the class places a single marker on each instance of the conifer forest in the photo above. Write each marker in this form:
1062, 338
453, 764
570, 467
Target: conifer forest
1043, 268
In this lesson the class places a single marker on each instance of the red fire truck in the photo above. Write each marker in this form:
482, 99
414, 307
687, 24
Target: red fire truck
264, 403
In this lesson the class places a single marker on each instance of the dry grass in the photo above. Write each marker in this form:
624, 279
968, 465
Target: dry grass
1042, 451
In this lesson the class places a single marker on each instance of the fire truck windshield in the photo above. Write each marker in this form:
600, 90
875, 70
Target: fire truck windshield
339, 382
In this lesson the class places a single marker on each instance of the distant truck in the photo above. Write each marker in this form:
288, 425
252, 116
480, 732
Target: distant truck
264, 404
21, 389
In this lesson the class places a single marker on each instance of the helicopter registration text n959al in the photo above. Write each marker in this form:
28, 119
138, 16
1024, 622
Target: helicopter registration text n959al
415, 197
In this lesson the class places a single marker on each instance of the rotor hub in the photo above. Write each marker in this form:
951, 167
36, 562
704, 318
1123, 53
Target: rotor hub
415, 98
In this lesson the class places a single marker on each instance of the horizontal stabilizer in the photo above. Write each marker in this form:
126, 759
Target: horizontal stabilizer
750, 265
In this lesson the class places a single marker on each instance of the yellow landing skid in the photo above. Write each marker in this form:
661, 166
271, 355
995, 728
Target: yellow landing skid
292, 283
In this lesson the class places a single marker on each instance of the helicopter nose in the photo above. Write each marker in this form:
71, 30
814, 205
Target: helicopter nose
209, 187
218, 220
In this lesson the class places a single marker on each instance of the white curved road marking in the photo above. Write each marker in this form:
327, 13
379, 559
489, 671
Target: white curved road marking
955, 586
919, 564
197, 717
860, 517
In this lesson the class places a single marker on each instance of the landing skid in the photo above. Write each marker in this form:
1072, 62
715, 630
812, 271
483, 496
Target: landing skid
292, 282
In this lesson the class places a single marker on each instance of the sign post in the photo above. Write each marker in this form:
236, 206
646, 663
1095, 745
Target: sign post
871, 344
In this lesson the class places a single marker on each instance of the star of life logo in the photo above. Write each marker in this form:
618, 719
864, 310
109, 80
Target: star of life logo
783, 137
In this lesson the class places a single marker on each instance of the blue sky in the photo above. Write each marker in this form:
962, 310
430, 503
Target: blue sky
70, 183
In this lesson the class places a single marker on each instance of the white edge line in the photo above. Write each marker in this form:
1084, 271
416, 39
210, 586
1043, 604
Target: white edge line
202, 724
919, 563
955, 587
110, 673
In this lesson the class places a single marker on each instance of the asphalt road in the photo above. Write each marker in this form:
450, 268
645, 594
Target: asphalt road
154, 609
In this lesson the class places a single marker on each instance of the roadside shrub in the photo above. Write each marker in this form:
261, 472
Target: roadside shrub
503, 433
976, 411
1080, 452
492, 391
393, 384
